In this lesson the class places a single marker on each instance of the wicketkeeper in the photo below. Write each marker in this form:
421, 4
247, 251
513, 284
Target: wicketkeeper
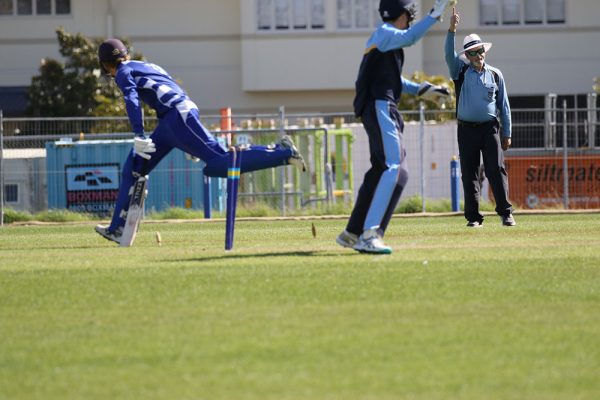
378, 89
178, 127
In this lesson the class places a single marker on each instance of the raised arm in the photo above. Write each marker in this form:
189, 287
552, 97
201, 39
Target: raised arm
390, 38
452, 60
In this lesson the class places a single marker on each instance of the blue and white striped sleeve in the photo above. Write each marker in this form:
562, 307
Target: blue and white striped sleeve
126, 83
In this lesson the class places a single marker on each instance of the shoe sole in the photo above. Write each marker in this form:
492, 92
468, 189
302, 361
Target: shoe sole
114, 240
365, 251
374, 252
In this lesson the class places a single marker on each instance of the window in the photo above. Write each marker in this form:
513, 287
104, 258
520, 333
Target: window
534, 11
521, 12
35, 7
63, 7
488, 12
6, 7
24, 7
286, 15
357, 14
555, 11
511, 12
44, 7
11, 193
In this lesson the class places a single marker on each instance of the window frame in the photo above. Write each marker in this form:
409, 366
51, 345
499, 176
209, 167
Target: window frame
523, 21
34, 12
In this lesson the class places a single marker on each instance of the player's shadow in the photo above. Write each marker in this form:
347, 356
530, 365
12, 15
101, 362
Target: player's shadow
246, 256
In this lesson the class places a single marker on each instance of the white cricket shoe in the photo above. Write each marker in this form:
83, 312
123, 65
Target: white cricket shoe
371, 242
347, 239
296, 159
106, 234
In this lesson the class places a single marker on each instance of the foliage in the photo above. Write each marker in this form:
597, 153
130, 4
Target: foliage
63, 216
11, 216
75, 86
410, 205
408, 102
596, 86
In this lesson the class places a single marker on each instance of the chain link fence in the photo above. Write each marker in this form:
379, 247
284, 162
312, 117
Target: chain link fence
554, 161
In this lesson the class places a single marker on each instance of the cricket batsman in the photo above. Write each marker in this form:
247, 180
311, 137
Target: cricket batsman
178, 127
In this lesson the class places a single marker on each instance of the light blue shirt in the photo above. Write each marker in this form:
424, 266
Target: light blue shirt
481, 99
388, 37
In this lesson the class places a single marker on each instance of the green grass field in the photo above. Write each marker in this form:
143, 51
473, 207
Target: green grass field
454, 313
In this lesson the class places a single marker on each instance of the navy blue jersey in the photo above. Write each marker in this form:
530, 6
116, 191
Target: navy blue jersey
380, 73
151, 84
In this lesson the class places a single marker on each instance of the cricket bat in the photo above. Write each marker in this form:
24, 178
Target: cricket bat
135, 212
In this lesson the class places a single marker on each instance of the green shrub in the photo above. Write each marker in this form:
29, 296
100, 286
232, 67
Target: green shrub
176, 213
11, 216
62, 216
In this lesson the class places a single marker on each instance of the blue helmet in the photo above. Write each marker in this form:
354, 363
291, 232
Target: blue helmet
392, 9
111, 50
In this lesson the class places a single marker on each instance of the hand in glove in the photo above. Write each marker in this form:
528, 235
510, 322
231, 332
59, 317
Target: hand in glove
432, 92
143, 147
440, 7
191, 158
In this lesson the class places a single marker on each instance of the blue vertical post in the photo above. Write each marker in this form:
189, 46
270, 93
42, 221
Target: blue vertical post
455, 183
207, 198
233, 180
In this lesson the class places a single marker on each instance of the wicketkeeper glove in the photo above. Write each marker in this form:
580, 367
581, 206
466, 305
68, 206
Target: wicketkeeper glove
143, 147
440, 7
432, 92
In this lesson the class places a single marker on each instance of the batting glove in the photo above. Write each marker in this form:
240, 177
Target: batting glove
432, 92
191, 158
440, 7
143, 147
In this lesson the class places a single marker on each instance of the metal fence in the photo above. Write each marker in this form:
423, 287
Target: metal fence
554, 161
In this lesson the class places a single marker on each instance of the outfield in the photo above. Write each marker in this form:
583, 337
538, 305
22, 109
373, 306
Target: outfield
490, 313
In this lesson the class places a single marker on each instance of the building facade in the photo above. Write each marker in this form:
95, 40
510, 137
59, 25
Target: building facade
254, 55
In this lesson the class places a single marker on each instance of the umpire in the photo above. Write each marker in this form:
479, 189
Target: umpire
480, 99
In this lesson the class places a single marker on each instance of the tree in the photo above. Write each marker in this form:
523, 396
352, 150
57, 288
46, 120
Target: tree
413, 102
74, 87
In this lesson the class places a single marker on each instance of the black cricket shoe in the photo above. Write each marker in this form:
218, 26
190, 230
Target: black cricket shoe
508, 220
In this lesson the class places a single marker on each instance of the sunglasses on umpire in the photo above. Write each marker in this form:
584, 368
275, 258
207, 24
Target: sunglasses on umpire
473, 53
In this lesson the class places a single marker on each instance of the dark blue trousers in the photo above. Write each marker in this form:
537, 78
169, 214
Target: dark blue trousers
474, 141
383, 183
181, 128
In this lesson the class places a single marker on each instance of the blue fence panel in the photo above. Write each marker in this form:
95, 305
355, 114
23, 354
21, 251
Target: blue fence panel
85, 176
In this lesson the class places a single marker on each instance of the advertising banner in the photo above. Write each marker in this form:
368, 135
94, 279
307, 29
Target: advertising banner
538, 181
92, 188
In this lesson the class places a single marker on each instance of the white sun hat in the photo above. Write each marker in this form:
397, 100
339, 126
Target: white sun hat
473, 41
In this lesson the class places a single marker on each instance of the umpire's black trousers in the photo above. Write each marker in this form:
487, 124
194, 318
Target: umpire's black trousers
475, 139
